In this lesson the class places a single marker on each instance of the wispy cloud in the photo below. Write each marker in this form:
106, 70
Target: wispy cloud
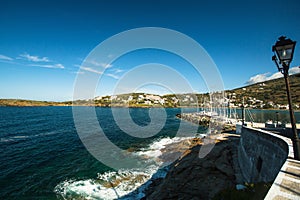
117, 71
113, 76
3, 57
99, 64
33, 58
91, 70
268, 76
100, 67
54, 66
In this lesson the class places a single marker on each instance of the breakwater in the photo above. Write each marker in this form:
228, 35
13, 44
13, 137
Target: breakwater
216, 124
196, 118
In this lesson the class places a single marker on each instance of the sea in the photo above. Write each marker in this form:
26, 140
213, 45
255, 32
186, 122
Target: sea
43, 156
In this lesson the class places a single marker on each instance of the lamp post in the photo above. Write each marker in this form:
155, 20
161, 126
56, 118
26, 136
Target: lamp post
243, 115
284, 51
277, 118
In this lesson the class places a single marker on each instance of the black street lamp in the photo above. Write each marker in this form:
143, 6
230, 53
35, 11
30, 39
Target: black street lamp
243, 114
277, 119
284, 49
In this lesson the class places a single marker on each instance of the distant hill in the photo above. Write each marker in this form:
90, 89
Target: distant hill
21, 102
268, 95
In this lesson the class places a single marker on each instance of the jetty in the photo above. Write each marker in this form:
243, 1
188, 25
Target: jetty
206, 118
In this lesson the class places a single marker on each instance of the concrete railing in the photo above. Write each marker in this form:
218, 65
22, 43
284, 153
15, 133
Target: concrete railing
261, 155
267, 157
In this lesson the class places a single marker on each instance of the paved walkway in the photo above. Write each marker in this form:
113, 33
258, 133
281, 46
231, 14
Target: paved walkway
287, 183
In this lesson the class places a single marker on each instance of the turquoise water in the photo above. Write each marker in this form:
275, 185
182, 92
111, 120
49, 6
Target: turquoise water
40, 149
42, 157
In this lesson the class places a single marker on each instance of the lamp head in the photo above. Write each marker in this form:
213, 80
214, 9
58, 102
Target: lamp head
284, 49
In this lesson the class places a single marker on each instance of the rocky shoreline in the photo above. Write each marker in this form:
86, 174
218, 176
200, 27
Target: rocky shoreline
190, 177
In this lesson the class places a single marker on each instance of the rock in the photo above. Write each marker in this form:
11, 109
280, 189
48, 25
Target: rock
223, 164
193, 178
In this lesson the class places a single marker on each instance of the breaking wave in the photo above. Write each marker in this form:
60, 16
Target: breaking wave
125, 183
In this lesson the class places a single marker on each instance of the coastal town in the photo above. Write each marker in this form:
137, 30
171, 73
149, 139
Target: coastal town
265, 95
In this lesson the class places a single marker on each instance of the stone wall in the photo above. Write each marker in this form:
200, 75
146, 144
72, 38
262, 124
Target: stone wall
261, 155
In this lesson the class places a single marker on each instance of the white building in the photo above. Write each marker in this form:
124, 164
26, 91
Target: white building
98, 98
130, 98
153, 97
113, 97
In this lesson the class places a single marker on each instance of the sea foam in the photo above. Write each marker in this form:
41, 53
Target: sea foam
124, 183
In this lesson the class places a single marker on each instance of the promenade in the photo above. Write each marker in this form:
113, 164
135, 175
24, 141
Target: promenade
287, 183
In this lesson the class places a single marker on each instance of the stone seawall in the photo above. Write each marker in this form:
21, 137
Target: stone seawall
261, 155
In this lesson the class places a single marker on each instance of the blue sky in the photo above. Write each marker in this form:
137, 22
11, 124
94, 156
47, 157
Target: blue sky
43, 43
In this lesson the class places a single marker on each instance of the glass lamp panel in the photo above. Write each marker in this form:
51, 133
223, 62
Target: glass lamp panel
285, 52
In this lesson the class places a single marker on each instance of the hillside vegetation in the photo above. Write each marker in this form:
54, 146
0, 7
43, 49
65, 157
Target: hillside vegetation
21, 102
269, 94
